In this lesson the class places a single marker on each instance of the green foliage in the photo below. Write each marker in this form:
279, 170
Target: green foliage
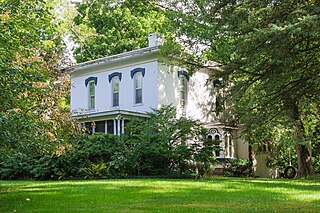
115, 26
316, 161
165, 144
16, 166
269, 55
237, 168
97, 170
35, 125
162, 145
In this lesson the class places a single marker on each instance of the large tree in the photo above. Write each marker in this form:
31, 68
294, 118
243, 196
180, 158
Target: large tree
114, 26
269, 52
32, 90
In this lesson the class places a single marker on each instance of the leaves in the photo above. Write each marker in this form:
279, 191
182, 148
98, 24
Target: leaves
118, 26
269, 55
32, 119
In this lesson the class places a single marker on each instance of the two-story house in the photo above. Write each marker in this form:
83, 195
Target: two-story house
107, 92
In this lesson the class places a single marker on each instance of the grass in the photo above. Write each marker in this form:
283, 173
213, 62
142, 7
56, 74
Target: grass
161, 195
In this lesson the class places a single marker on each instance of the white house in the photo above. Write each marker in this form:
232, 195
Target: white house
111, 90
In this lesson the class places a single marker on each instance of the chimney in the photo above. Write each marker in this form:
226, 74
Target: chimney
153, 40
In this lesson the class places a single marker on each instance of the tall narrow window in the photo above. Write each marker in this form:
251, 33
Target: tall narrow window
217, 144
115, 91
92, 82
183, 89
114, 79
138, 87
91, 94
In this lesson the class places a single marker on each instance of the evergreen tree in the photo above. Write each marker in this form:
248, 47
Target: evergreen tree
269, 53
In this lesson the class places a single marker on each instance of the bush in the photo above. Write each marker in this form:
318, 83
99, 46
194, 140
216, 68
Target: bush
16, 166
160, 146
165, 145
237, 168
316, 164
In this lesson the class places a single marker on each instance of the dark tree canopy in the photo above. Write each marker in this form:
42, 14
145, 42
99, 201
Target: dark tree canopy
269, 51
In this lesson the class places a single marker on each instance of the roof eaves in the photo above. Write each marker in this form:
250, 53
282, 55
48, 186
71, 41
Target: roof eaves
113, 58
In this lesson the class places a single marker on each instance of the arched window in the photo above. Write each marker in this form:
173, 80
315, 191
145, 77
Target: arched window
138, 87
115, 91
114, 79
183, 89
214, 135
91, 95
92, 82
137, 75
217, 140
183, 86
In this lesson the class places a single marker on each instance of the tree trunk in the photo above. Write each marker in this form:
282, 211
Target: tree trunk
304, 160
303, 147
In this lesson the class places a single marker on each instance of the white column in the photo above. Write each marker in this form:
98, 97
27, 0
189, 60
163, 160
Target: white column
114, 126
93, 129
226, 144
232, 146
122, 132
105, 127
118, 132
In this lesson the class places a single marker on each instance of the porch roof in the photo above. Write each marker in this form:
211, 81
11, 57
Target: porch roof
112, 113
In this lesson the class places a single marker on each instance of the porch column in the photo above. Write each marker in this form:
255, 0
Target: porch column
226, 145
93, 129
114, 126
232, 147
119, 119
122, 126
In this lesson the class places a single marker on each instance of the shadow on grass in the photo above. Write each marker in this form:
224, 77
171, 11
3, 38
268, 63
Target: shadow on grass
221, 195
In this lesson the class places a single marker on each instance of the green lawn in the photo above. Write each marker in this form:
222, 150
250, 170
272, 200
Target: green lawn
161, 195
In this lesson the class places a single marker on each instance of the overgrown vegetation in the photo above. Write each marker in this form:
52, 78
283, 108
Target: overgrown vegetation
163, 146
34, 114
237, 168
267, 50
267, 53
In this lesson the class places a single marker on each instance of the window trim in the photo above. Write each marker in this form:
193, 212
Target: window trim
136, 70
214, 132
95, 79
114, 75
185, 73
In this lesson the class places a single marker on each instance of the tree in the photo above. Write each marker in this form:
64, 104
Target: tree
33, 115
269, 55
115, 26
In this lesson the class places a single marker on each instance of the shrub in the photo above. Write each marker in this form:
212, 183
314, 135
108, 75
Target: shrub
16, 166
163, 145
237, 168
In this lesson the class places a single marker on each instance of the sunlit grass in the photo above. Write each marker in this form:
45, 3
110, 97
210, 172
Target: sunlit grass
160, 195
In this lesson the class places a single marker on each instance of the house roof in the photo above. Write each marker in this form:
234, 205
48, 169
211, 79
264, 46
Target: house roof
96, 114
114, 58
